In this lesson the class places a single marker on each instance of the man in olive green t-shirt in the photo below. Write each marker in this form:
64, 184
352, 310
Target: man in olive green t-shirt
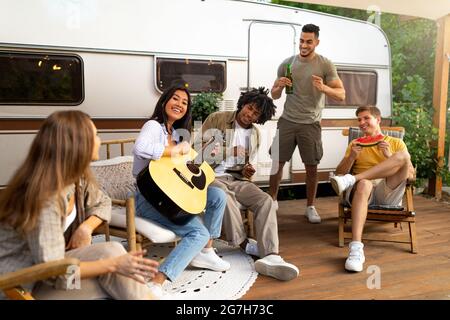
314, 76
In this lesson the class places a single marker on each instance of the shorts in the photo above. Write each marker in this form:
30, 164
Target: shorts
381, 194
307, 136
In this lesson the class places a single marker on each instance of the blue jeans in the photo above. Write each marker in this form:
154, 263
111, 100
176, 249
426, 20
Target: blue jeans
194, 235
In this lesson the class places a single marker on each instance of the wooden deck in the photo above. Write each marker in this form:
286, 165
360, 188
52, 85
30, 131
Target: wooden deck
314, 249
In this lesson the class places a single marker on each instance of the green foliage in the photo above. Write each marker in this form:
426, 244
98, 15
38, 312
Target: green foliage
419, 135
414, 90
413, 48
446, 170
203, 104
415, 113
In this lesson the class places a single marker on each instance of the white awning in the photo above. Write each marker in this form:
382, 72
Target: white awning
430, 9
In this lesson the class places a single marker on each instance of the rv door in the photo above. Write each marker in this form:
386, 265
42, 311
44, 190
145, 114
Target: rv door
269, 43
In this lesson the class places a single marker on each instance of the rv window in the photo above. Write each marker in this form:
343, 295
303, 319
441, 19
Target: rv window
196, 75
40, 79
360, 89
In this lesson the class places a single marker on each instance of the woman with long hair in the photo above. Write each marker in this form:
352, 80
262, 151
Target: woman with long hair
50, 209
161, 137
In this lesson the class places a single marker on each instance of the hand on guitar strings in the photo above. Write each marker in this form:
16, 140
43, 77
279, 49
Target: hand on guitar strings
215, 150
182, 148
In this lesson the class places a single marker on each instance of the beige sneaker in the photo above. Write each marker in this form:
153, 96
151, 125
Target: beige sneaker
208, 259
342, 183
158, 292
274, 266
312, 215
356, 258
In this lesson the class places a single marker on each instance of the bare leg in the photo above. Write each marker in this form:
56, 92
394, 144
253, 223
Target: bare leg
395, 169
209, 244
275, 180
311, 184
159, 278
359, 207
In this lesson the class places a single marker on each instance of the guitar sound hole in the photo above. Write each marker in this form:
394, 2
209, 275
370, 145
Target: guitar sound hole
193, 168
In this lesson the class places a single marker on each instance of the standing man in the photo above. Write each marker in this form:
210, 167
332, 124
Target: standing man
313, 77
234, 171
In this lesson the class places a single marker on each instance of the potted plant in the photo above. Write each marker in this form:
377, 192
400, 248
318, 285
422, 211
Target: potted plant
203, 104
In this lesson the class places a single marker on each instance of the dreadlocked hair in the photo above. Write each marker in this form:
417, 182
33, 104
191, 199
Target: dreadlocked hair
259, 98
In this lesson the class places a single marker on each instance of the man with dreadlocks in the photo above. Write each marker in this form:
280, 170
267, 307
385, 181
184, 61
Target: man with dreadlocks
234, 170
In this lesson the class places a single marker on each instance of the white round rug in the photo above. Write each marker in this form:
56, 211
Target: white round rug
203, 284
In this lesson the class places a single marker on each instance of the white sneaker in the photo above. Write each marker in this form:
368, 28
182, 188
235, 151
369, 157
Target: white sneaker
158, 292
208, 259
275, 204
342, 183
274, 266
252, 248
312, 215
356, 259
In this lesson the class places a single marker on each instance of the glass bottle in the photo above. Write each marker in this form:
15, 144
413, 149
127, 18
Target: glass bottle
289, 89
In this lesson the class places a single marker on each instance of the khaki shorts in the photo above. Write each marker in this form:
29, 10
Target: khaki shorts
381, 194
308, 138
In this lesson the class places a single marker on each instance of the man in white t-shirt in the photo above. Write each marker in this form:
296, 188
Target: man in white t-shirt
234, 170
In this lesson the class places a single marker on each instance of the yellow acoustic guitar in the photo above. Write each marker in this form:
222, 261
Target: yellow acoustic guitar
176, 186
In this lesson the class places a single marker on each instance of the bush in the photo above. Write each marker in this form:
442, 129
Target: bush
203, 104
446, 173
415, 114
420, 132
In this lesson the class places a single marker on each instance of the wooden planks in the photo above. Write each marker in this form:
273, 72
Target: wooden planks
314, 249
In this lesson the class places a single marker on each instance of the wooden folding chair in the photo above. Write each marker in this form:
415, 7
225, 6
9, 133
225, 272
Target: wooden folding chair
393, 214
12, 283
248, 221
115, 178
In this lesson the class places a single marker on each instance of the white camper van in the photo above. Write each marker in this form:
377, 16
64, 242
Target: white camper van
113, 58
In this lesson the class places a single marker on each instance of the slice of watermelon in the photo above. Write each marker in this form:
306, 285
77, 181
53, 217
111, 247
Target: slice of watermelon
370, 141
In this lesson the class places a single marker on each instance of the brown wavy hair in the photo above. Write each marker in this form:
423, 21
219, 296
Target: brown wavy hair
374, 111
59, 156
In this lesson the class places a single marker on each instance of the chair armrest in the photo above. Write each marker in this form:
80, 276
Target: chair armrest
118, 202
35, 273
409, 190
131, 224
130, 220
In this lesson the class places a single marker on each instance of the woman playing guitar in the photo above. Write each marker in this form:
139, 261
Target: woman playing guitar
161, 137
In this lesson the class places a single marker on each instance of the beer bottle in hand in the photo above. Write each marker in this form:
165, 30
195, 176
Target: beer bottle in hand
289, 89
